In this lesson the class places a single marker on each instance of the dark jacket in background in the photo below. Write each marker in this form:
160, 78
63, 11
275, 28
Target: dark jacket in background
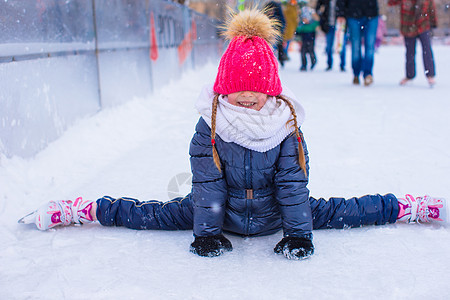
357, 8
323, 14
275, 11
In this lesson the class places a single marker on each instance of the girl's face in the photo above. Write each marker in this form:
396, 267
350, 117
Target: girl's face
248, 99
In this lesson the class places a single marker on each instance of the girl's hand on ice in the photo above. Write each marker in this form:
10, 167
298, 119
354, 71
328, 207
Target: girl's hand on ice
293, 247
210, 246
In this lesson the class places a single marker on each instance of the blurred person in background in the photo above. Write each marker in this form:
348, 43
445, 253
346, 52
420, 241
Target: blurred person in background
274, 11
309, 21
417, 19
362, 23
326, 9
291, 11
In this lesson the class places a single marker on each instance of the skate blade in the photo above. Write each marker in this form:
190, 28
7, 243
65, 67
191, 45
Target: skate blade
28, 219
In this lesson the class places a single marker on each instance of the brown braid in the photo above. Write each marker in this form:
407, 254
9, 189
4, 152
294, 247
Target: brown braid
213, 132
301, 152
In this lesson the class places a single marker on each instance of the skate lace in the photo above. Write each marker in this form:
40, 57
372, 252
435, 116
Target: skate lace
66, 212
75, 206
422, 209
414, 207
419, 209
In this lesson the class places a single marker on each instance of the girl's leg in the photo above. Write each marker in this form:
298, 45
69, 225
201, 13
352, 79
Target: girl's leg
61, 212
354, 212
176, 214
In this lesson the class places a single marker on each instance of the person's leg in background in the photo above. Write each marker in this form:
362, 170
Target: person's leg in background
307, 51
343, 52
370, 34
427, 54
281, 55
354, 27
410, 65
329, 47
312, 50
303, 51
286, 49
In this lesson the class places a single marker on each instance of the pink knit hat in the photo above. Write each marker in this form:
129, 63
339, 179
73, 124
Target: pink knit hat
249, 63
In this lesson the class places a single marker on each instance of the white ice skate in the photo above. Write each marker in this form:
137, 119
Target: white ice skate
60, 212
423, 209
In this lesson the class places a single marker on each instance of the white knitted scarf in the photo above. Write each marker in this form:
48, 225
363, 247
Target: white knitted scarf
255, 130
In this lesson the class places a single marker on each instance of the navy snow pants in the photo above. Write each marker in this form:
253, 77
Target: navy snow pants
177, 214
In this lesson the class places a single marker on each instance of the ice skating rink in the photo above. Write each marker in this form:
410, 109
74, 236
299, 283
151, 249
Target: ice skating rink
384, 138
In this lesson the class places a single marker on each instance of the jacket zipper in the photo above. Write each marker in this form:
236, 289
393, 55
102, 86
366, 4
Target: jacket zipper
248, 185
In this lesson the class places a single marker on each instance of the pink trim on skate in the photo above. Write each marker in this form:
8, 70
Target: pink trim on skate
87, 212
402, 210
79, 199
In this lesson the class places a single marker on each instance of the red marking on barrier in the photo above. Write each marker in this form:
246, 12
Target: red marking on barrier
193, 31
153, 43
41, 7
186, 45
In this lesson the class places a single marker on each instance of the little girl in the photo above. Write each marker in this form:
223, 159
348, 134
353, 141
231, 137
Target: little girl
250, 166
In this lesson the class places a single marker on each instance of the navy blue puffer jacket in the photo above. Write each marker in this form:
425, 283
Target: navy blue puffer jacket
256, 193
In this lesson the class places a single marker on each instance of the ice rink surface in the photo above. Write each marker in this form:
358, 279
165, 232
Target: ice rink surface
384, 138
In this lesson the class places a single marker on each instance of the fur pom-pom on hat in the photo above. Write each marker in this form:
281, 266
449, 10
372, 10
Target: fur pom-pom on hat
251, 22
249, 63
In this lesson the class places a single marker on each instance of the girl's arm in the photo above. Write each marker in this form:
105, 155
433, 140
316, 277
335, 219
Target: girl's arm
291, 190
209, 190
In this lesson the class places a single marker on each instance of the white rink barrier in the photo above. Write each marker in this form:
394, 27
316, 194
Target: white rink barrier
64, 60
